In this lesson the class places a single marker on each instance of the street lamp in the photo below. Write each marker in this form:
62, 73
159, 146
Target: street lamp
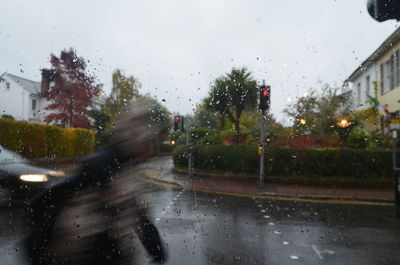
343, 123
303, 121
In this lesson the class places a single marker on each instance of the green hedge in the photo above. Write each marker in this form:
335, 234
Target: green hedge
289, 162
37, 140
219, 158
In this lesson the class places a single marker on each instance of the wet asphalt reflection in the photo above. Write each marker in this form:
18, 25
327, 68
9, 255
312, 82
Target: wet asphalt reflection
204, 228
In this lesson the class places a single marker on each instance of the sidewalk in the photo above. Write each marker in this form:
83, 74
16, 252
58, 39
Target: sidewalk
288, 191
159, 170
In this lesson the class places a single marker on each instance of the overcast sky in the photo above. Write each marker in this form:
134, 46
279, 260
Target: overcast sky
177, 47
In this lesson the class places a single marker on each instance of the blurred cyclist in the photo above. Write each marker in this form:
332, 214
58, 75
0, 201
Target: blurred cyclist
94, 216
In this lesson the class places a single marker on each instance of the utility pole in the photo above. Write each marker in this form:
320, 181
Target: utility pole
395, 126
265, 101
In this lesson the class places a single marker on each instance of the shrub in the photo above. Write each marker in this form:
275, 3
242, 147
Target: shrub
7, 116
219, 158
289, 162
200, 132
359, 139
36, 140
210, 140
329, 163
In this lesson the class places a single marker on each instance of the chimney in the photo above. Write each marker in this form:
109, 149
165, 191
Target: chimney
46, 78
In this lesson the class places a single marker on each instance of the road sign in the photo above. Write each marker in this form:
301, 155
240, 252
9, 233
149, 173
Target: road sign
394, 126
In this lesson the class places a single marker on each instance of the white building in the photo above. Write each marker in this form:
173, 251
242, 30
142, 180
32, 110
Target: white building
21, 98
361, 84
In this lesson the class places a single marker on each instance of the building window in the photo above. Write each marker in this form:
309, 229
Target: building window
8, 85
33, 104
382, 78
368, 85
358, 94
397, 67
387, 76
392, 73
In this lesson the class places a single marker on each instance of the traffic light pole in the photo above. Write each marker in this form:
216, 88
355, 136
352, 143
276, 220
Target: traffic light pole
190, 147
262, 143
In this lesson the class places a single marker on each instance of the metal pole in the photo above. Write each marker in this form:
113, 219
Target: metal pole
262, 177
394, 144
189, 145
396, 174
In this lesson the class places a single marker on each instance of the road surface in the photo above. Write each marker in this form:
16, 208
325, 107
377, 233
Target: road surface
206, 228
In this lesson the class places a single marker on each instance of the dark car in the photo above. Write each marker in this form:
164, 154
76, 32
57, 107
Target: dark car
20, 180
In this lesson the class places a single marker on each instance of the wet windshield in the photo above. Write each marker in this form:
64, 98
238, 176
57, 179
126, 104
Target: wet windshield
6, 156
200, 132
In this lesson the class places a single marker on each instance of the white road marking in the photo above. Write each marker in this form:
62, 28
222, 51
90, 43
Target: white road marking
320, 252
195, 199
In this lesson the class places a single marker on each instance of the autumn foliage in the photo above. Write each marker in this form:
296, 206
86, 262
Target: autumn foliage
71, 91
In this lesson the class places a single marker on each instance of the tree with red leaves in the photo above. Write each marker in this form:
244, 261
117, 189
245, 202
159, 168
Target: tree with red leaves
71, 91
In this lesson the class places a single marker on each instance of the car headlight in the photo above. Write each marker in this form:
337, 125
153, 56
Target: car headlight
33, 177
57, 173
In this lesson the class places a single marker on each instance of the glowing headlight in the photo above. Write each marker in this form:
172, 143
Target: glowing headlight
57, 173
33, 177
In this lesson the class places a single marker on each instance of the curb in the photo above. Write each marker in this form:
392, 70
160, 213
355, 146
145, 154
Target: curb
282, 197
329, 197
342, 183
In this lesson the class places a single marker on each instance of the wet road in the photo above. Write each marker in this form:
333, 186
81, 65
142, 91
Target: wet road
204, 228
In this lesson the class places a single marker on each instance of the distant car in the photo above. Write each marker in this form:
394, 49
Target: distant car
20, 180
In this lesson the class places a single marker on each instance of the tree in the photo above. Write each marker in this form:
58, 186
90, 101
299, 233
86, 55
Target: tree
316, 114
232, 94
303, 113
124, 89
73, 91
100, 120
159, 117
204, 118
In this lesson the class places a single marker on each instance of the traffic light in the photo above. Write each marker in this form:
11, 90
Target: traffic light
181, 124
178, 123
265, 97
382, 10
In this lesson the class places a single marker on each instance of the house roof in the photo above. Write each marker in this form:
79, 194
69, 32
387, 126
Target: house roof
344, 95
33, 87
379, 52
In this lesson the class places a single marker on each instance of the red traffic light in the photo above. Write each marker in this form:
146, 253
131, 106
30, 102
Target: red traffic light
265, 93
177, 119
